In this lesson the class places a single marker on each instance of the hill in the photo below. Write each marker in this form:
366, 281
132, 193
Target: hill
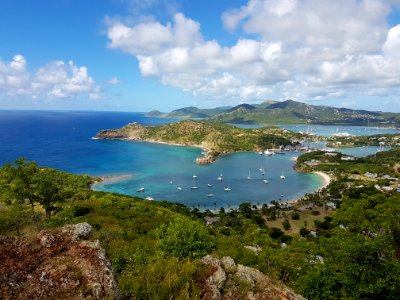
293, 112
289, 112
216, 138
196, 113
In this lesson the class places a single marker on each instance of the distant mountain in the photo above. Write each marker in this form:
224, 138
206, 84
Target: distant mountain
154, 113
194, 112
293, 112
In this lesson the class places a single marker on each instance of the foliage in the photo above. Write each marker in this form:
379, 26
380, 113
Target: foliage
185, 239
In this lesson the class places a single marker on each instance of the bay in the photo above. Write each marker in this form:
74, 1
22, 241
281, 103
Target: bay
63, 140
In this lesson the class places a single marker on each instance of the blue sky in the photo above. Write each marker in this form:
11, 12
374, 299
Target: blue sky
134, 55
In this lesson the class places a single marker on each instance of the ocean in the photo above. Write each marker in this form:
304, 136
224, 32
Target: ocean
63, 140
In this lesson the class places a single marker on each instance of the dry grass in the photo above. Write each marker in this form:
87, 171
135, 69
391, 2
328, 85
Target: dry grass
297, 224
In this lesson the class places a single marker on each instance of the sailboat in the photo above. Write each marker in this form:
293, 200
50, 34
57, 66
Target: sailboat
249, 177
210, 195
179, 188
194, 186
209, 184
265, 181
194, 176
150, 198
227, 189
282, 176
220, 177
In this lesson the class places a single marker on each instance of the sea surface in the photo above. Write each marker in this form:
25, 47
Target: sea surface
63, 140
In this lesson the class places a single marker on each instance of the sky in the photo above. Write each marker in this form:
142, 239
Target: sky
141, 55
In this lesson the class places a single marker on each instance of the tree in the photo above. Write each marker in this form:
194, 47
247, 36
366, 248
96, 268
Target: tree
183, 238
47, 192
22, 184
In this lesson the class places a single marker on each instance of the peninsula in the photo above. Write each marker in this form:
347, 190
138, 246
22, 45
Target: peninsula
215, 138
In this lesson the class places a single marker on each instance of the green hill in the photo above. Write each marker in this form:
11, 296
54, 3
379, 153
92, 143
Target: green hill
292, 112
216, 138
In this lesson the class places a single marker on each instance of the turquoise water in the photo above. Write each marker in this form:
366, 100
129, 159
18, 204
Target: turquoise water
63, 140
329, 130
161, 178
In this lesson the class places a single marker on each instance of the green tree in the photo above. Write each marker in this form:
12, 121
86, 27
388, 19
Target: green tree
184, 238
286, 224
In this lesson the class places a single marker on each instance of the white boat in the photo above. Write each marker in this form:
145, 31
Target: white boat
282, 176
194, 187
265, 181
267, 152
342, 134
171, 182
209, 185
141, 190
194, 176
262, 172
149, 198
249, 177
210, 195
220, 177
260, 152
179, 188
227, 189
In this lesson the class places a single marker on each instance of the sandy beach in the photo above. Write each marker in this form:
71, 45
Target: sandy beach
327, 179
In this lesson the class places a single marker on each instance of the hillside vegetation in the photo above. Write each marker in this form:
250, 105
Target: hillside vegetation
157, 249
289, 112
216, 138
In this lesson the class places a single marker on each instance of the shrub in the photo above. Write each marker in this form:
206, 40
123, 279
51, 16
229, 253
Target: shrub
286, 224
295, 215
315, 213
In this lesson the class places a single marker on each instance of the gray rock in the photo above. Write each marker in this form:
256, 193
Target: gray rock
228, 264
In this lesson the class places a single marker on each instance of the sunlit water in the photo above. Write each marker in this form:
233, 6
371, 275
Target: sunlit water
63, 140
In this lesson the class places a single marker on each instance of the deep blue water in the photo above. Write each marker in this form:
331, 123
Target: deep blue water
63, 140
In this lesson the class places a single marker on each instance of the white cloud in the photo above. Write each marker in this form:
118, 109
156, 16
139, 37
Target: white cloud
305, 50
114, 81
54, 80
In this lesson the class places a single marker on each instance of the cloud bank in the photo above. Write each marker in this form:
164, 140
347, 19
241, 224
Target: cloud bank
306, 50
54, 80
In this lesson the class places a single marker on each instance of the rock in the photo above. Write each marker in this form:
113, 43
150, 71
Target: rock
47, 239
58, 265
221, 282
228, 264
215, 281
80, 231
249, 275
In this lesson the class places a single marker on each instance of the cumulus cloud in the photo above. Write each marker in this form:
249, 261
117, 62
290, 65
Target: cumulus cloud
306, 50
54, 80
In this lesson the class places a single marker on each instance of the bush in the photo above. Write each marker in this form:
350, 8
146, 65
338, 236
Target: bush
295, 215
286, 224
275, 233
304, 231
315, 213
183, 238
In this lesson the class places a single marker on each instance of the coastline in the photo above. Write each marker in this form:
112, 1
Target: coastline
111, 179
326, 178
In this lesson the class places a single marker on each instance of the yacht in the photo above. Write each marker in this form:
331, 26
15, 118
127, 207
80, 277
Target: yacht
249, 177
265, 181
210, 195
149, 198
282, 176
194, 176
209, 184
141, 190
179, 188
227, 189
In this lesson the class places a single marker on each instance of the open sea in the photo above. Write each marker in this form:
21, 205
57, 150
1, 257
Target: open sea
63, 140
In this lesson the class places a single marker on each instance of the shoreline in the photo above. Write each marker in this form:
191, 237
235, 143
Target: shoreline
325, 177
110, 179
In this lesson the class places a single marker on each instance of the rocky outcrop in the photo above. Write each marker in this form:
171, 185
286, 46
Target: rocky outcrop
224, 280
60, 264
